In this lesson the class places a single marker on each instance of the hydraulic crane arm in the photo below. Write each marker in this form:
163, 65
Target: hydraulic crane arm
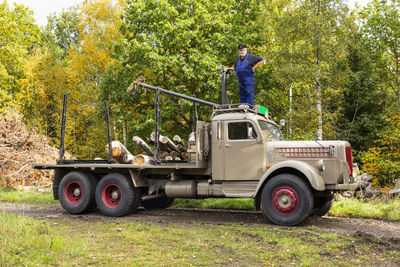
132, 90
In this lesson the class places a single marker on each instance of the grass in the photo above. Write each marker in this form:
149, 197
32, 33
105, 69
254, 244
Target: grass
378, 209
26, 196
215, 203
68, 242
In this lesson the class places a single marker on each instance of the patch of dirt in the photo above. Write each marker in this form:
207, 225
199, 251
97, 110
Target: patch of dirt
365, 230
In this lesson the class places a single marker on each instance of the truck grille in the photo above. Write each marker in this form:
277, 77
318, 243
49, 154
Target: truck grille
304, 152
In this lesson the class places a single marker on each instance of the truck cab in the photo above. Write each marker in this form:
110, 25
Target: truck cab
239, 144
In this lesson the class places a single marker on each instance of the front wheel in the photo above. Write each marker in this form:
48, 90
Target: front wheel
322, 204
116, 195
286, 200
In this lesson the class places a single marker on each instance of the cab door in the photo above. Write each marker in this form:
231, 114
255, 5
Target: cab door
243, 151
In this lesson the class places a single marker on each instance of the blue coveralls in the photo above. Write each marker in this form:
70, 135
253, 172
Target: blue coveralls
246, 81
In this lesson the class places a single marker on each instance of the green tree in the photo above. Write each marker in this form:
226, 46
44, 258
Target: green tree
309, 46
370, 94
45, 77
382, 160
364, 99
381, 25
61, 32
177, 45
18, 36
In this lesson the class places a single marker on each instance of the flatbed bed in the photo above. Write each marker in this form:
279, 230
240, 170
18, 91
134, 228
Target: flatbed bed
94, 166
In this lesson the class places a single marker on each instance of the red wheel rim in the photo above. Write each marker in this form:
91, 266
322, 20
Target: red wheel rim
73, 192
285, 200
112, 195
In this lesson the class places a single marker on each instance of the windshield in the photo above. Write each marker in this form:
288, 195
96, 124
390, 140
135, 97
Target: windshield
270, 131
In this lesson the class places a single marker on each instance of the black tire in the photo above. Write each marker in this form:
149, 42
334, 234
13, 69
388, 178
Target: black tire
95, 180
77, 192
116, 195
286, 200
322, 204
158, 203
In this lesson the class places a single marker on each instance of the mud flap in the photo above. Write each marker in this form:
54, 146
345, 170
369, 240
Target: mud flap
257, 203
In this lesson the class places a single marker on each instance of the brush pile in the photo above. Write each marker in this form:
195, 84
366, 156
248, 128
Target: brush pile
367, 190
19, 148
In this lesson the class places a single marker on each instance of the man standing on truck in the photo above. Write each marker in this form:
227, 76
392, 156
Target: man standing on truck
245, 69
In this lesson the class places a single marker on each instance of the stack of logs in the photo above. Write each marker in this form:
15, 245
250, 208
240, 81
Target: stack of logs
168, 150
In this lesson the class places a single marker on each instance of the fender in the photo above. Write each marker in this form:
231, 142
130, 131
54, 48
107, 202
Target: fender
58, 174
306, 169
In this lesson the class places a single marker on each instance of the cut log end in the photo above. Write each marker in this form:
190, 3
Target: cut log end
141, 159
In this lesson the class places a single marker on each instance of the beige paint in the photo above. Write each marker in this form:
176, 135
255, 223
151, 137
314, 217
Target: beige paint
244, 158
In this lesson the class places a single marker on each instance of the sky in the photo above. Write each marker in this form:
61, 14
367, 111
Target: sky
43, 8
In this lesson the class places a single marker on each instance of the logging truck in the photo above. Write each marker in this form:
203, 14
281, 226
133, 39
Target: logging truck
239, 153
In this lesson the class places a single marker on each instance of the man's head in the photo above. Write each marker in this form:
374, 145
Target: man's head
242, 50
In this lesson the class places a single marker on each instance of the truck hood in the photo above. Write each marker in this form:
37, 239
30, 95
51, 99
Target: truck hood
308, 149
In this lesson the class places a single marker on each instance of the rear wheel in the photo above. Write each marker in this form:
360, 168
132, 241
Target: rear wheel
158, 203
286, 200
76, 192
322, 204
116, 195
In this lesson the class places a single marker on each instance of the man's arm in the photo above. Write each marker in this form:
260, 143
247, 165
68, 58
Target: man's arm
230, 68
257, 65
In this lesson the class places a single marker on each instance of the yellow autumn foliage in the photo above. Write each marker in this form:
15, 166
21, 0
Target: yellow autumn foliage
48, 77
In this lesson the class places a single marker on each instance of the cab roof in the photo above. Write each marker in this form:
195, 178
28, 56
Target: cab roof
237, 112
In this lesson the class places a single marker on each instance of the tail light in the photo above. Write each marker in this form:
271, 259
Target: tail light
349, 159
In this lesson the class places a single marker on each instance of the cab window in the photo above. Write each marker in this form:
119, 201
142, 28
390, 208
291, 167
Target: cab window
270, 131
241, 130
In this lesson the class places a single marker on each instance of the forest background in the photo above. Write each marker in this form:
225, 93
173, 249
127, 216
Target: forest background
331, 72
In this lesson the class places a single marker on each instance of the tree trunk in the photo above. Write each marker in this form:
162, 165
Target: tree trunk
163, 154
118, 151
124, 132
181, 148
174, 154
179, 141
168, 144
143, 145
317, 79
128, 158
141, 159
115, 130
161, 146
184, 155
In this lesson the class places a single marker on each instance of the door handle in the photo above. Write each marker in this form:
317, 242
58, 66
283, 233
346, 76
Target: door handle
227, 145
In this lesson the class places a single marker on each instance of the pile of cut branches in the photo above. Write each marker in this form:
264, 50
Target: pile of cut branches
19, 148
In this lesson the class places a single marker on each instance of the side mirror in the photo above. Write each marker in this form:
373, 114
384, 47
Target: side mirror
282, 122
250, 132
